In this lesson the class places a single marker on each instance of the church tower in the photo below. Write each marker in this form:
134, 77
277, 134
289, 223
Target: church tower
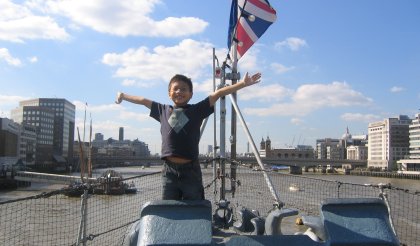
268, 144
262, 144
268, 147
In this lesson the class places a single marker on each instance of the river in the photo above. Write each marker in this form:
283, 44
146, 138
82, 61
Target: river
252, 192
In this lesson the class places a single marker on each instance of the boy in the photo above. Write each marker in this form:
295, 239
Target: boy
180, 129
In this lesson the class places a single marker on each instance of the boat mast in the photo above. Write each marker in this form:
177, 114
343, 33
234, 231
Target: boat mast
81, 157
89, 167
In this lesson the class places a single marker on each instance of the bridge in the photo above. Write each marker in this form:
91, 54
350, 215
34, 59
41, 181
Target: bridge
305, 162
299, 162
292, 162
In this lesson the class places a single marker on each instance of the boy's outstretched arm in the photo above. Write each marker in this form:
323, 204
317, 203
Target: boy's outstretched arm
133, 99
246, 81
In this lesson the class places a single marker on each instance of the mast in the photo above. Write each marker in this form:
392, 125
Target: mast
81, 157
89, 168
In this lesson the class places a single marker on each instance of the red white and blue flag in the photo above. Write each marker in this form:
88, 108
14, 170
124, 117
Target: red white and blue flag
249, 19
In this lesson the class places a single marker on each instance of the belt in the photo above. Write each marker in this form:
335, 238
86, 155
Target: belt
179, 165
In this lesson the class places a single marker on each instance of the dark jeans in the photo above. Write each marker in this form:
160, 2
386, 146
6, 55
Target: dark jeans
182, 181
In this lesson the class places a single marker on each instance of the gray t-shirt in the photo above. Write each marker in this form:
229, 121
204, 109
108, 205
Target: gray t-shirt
180, 127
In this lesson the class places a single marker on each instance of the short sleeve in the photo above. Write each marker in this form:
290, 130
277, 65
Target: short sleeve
155, 111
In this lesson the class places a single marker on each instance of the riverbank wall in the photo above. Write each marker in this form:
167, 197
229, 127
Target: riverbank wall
385, 174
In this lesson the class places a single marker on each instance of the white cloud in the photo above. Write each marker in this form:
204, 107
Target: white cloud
11, 100
205, 87
335, 94
9, 59
136, 83
264, 93
7, 103
189, 57
296, 121
311, 97
39, 19
292, 43
33, 59
396, 89
280, 68
126, 115
250, 60
81, 106
129, 82
121, 18
17, 23
358, 117
260, 92
105, 108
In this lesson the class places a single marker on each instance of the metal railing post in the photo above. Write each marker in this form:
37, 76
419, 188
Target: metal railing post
83, 219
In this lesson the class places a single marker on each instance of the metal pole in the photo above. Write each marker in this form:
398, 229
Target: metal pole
84, 125
214, 126
89, 169
222, 136
85, 195
83, 219
257, 155
233, 125
203, 126
81, 157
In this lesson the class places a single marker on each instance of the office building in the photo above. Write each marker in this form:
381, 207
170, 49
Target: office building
17, 142
411, 164
357, 148
99, 136
9, 141
121, 134
388, 142
330, 148
54, 120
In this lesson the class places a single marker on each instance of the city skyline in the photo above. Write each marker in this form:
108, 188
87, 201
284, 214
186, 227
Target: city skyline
326, 66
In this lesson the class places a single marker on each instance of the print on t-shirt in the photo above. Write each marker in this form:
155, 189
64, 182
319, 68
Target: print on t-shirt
178, 119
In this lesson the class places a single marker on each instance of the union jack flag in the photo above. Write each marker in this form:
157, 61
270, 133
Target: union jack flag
249, 19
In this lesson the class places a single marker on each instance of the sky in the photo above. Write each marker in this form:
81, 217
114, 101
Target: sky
326, 65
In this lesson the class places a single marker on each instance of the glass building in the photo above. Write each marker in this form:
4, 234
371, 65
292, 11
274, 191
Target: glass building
54, 119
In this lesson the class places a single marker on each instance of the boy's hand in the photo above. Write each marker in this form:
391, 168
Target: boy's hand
119, 98
250, 80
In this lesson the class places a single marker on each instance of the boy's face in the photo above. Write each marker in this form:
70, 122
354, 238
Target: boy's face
180, 93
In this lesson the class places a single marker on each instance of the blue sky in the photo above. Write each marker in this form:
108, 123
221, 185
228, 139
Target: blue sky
326, 64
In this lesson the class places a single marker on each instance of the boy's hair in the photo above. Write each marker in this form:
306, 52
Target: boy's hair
183, 78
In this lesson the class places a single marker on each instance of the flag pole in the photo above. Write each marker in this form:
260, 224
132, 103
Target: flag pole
234, 76
214, 123
222, 134
233, 122
235, 42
